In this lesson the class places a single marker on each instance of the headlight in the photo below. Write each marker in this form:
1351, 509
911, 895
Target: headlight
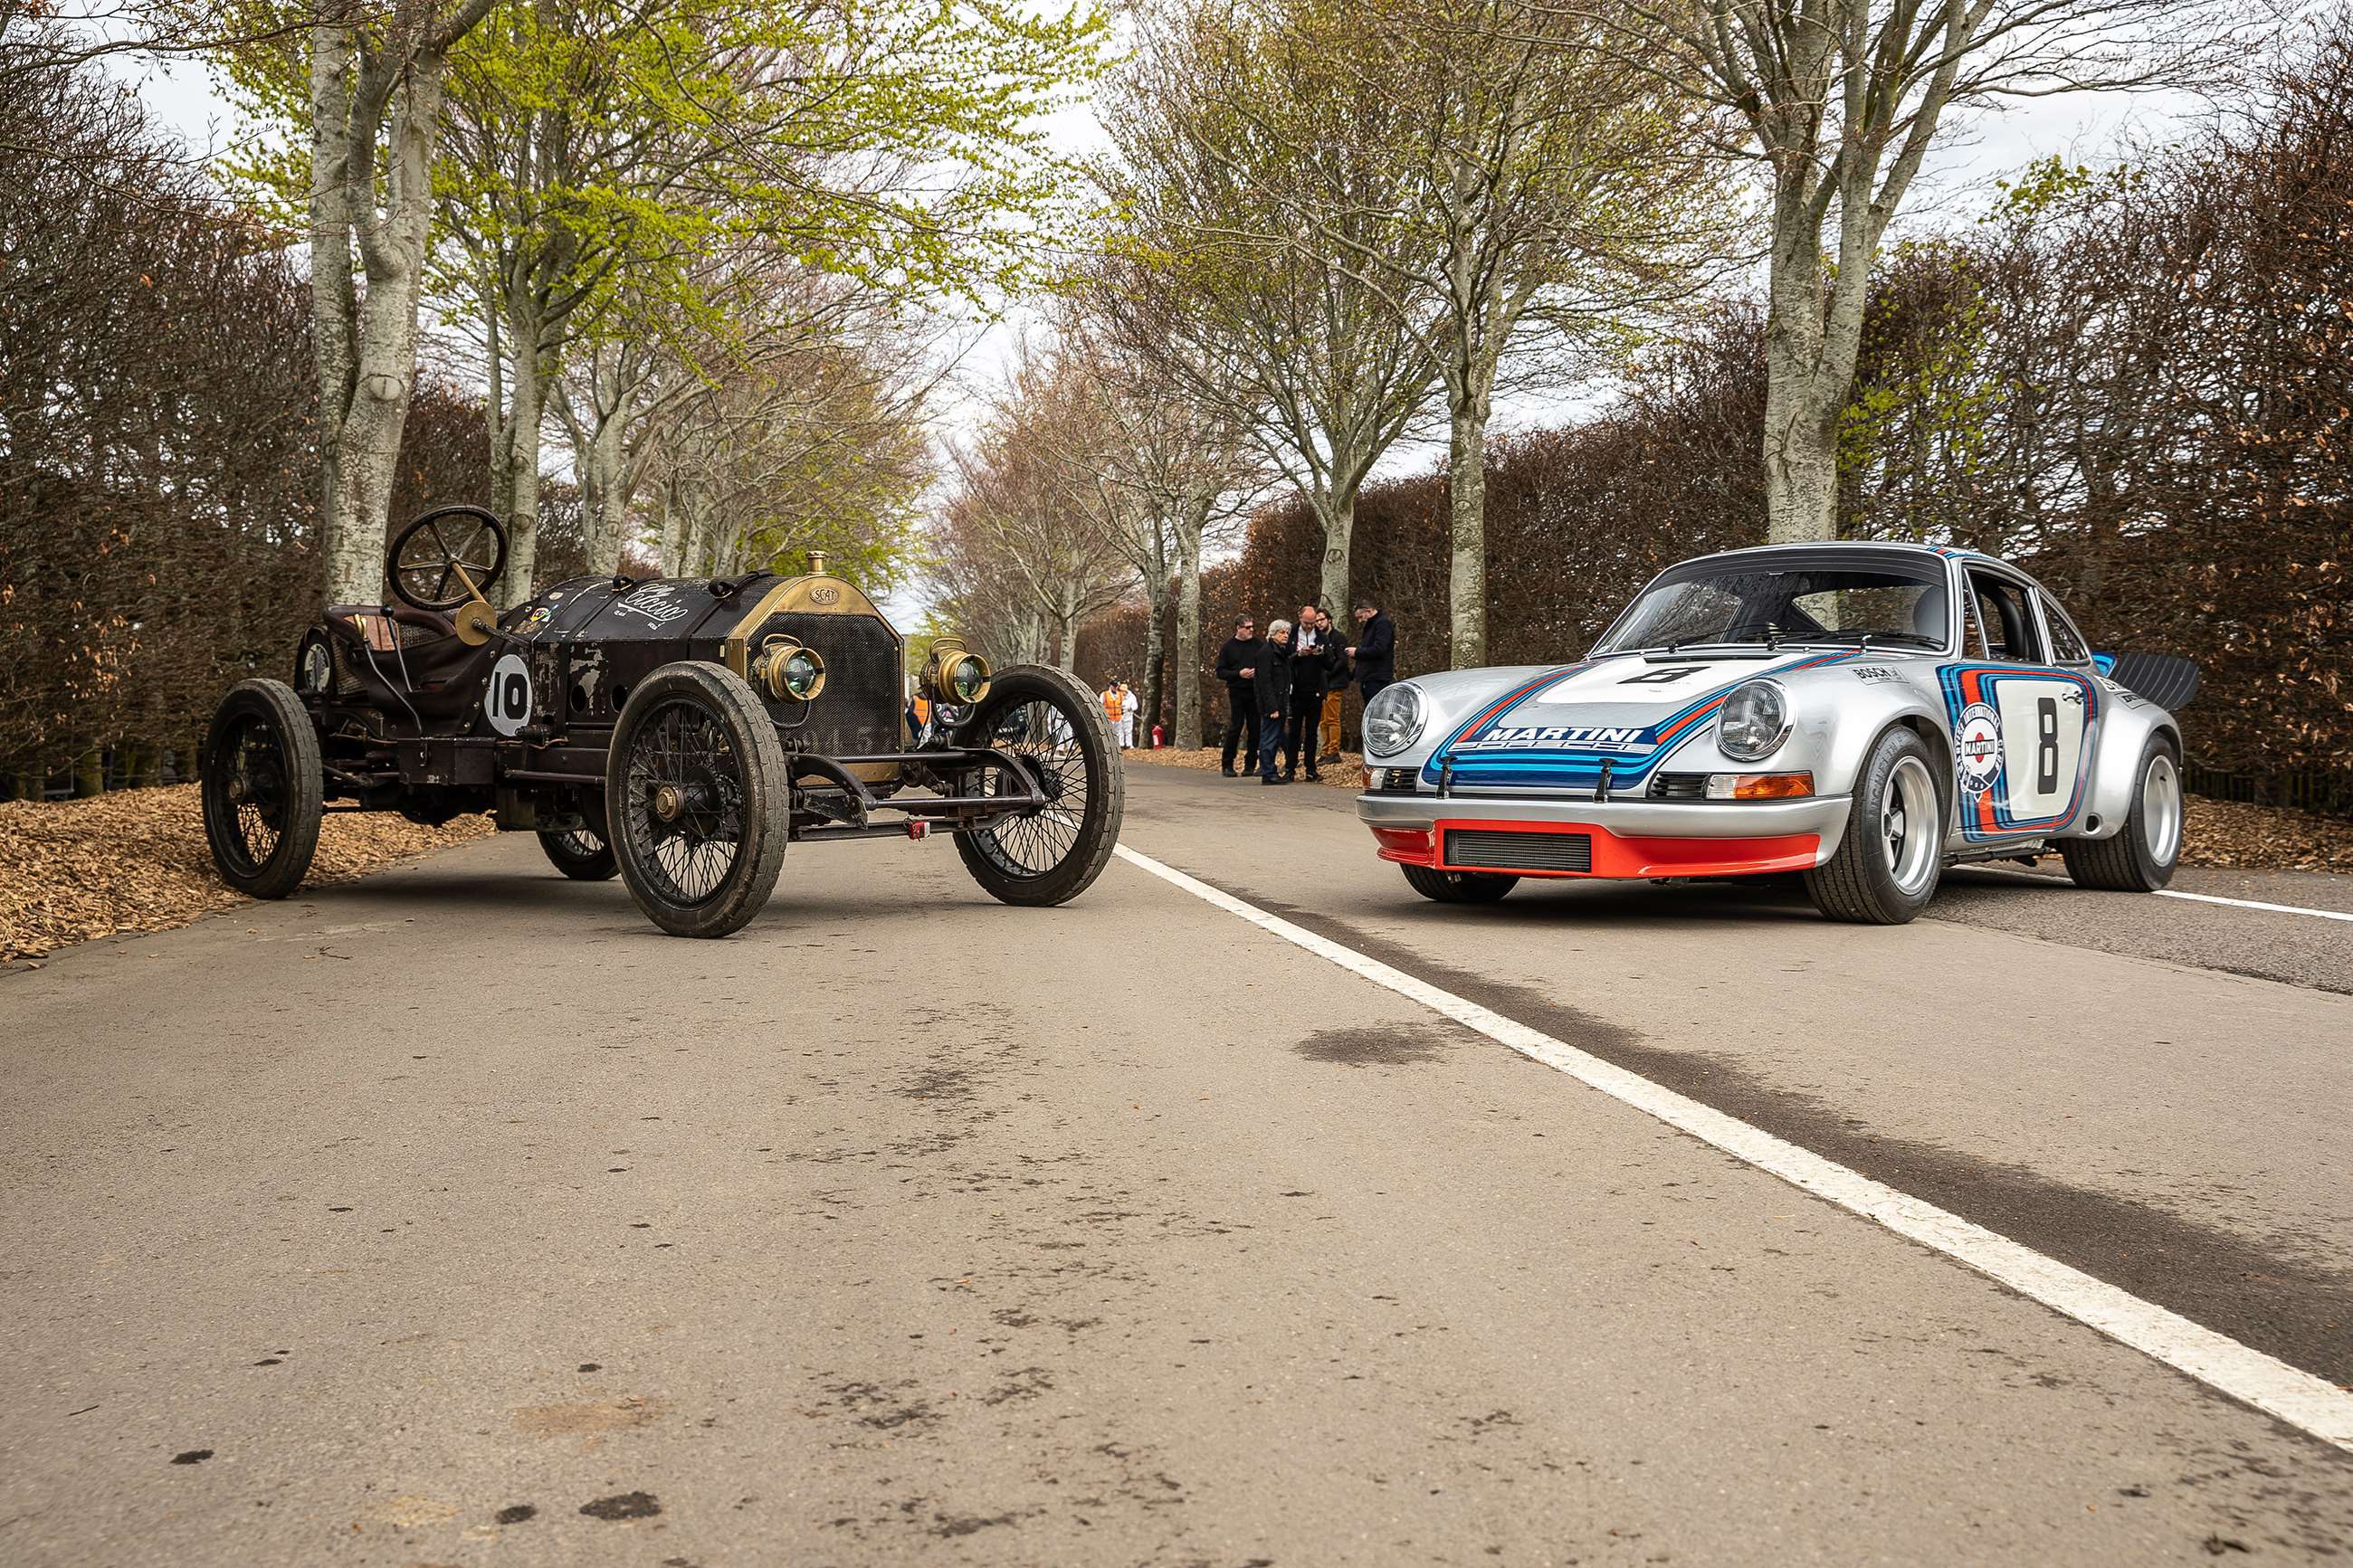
955, 675
1754, 722
967, 678
1393, 720
789, 671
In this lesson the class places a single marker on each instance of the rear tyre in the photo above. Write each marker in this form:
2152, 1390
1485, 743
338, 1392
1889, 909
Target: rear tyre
580, 854
264, 791
1057, 728
1459, 886
1887, 866
2141, 857
696, 799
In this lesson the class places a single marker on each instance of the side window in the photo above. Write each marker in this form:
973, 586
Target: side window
2007, 619
2067, 645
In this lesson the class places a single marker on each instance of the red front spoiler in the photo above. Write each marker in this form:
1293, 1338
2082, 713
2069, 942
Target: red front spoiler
1613, 855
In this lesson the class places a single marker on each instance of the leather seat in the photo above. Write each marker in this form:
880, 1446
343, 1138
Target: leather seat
407, 659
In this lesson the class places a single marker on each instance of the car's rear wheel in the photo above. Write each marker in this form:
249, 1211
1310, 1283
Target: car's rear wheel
1887, 865
1459, 886
580, 854
264, 790
2141, 857
1057, 728
696, 799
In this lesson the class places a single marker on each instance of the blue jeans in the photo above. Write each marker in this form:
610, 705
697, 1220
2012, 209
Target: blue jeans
1272, 738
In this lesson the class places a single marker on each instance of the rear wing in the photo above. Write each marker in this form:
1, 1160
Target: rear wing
2163, 678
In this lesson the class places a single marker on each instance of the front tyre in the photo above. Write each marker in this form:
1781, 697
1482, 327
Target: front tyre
1458, 887
1888, 863
580, 854
2141, 856
1057, 728
264, 790
697, 799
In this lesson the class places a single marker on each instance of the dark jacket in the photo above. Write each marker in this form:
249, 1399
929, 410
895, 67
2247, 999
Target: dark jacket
1273, 684
1311, 668
1238, 655
1377, 651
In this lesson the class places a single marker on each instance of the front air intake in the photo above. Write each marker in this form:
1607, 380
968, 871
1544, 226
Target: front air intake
1496, 849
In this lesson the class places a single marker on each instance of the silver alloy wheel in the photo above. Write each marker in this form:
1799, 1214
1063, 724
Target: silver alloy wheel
1908, 826
2160, 809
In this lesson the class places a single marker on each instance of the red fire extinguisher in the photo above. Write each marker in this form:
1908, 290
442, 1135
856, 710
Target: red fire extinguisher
1159, 737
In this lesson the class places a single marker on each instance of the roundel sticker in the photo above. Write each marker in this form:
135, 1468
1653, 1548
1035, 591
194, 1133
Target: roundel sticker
507, 704
1978, 743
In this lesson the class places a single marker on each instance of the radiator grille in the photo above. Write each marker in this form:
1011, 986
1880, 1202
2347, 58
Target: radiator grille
858, 712
1499, 849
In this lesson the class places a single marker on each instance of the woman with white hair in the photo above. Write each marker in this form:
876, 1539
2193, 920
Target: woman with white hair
1271, 687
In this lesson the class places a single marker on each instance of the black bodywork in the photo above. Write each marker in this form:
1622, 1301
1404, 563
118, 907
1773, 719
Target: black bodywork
411, 719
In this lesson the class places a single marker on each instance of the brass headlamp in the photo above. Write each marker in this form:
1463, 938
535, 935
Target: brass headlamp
954, 674
788, 670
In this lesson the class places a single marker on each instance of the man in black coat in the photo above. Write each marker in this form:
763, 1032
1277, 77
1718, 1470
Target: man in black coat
1312, 649
1238, 661
1375, 649
1271, 685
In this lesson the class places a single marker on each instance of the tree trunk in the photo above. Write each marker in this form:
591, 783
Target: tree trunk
603, 466
1186, 673
518, 465
1156, 656
1466, 503
1337, 512
363, 411
1800, 415
89, 774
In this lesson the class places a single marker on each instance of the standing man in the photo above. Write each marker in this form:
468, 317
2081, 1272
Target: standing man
1336, 683
1237, 664
1111, 712
1272, 687
1126, 716
1310, 664
1375, 649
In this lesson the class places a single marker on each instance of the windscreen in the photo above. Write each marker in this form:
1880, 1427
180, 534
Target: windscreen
1891, 603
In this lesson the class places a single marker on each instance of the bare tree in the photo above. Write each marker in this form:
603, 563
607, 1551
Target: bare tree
1311, 354
1841, 101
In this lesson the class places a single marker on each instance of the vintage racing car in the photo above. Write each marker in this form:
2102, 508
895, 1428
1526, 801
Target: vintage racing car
1866, 714
679, 730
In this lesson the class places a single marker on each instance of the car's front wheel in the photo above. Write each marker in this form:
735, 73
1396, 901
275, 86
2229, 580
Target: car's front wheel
1458, 887
1887, 868
696, 799
1056, 727
2141, 856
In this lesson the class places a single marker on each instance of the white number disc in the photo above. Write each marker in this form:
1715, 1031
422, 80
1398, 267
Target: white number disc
508, 701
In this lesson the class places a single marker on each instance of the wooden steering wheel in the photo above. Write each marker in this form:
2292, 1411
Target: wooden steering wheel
446, 557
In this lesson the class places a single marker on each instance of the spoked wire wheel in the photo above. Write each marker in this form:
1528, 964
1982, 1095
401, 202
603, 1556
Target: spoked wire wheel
580, 853
426, 556
1050, 853
263, 789
695, 794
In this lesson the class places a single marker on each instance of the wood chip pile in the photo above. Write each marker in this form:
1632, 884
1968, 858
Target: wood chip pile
135, 860
2216, 832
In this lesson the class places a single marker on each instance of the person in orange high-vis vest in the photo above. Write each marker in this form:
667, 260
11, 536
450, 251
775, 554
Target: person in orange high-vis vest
1112, 702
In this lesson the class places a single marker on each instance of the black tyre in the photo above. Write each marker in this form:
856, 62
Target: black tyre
264, 793
1057, 727
1459, 886
580, 854
1887, 866
2141, 856
697, 799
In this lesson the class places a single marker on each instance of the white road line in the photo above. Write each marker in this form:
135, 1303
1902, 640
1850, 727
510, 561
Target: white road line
2253, 904
2296, 1397
2178, 893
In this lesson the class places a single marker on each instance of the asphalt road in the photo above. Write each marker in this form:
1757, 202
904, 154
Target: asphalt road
456, 1217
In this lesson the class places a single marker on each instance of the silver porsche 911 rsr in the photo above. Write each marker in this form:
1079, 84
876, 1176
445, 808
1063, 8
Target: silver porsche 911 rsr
1863, 714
